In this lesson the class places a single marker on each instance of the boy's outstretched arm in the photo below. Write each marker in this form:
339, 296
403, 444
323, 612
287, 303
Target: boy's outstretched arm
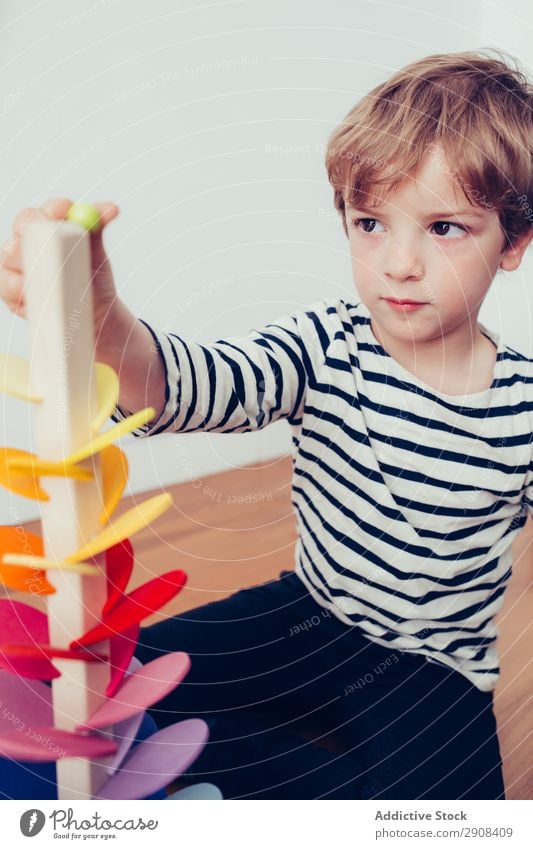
233, 385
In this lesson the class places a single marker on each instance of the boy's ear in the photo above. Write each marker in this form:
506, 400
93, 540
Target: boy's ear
512, 256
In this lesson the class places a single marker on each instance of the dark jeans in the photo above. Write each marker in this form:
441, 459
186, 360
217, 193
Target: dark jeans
269, 656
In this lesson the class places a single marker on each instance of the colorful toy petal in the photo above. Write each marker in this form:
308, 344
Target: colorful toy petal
29, 667
43, 563
125, 526
119, 566
155, 762
107, 390
16, 650
123, 427
141, 690
47, 743
121, 648
124, 735
29, 464
24, 578
197, 791
22, 623
13, 542
22, 702
135, 607
17, 539
20, 483
114, 464
15, 377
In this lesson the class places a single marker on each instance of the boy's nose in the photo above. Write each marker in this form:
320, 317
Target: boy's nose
401, 262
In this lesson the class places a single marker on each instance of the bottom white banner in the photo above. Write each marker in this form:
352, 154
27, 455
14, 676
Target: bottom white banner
357, 823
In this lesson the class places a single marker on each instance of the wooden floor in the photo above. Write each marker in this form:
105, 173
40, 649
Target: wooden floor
237, 528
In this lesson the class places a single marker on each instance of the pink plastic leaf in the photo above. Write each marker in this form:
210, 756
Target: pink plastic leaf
46, 743
124, 734
133, 608
121, 648
23, 702
119, 566
148, 685
39, 668
157, 761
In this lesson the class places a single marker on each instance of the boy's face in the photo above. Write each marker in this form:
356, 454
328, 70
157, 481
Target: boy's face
427, 244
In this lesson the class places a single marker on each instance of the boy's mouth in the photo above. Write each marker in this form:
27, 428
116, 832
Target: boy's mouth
397, 301
404, 306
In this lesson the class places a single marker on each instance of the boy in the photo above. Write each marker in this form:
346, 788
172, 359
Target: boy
411, 425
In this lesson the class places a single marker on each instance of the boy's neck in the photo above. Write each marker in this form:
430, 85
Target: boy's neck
458, 363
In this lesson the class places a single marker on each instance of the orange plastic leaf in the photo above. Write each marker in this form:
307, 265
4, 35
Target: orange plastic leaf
25, 579
30, 579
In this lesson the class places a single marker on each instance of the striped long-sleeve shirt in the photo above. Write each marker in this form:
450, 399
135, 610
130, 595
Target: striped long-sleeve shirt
407, 500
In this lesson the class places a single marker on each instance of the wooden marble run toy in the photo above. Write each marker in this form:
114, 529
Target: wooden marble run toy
87, 720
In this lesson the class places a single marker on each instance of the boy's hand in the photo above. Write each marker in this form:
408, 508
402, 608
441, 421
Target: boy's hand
11, 272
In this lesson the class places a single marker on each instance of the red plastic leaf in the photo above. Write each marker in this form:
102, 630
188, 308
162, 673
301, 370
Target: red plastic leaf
121, 648
119, 566
133, 608
14, 650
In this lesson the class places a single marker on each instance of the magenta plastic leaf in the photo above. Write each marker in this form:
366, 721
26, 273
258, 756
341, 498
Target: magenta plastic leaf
22, 702
119, 566
124, 734
157, 761
144, 688
121, 648
133, 608
46, 743
22, 623
39, 668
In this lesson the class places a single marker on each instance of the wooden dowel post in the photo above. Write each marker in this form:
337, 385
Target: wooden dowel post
56, 260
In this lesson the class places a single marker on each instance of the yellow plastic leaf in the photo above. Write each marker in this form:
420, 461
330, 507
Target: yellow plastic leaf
114, 464
106, 392
109, 436
15, 377
125, 526
30, 464
22, 483
18, 561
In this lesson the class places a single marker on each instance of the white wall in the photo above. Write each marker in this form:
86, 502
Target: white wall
171, 109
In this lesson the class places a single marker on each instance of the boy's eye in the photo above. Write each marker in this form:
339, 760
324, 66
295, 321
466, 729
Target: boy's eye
365, 224
445, 226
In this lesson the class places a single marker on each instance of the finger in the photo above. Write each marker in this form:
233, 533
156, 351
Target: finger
10, 257
108, 212
11, 285
57, 207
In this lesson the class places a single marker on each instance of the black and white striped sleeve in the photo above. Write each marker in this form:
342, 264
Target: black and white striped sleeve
233, 385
